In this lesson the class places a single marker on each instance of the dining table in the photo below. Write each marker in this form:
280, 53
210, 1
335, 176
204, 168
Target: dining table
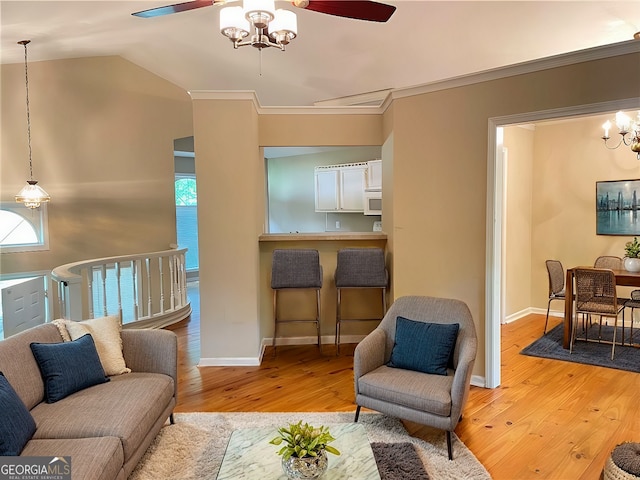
623, 278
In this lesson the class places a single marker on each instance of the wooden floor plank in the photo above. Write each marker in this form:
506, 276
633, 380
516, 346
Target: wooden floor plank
547, 420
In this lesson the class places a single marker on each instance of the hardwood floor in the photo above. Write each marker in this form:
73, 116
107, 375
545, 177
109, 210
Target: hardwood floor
548, 419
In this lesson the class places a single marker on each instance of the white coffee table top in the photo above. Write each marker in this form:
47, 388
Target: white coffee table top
250, 456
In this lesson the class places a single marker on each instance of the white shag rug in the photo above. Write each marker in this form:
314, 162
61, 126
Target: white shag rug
193, 448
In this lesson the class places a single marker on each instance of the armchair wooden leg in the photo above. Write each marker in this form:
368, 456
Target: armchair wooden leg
449, 446
357, 414
172, 420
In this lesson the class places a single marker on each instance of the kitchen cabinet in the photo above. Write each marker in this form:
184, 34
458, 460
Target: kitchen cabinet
340, 188
374, 175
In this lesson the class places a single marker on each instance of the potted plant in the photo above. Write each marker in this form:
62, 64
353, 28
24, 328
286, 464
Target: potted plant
304, 453
632, 255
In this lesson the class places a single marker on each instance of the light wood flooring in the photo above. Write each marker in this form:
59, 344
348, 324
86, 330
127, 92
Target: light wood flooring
548, 419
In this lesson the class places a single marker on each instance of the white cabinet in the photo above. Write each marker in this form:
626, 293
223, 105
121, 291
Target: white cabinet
374, 175
340, 188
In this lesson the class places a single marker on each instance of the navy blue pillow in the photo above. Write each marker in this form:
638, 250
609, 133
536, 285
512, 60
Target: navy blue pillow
16, 423
68, 367
423, 347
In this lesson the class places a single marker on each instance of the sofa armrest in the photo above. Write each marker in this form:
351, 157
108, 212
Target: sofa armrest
151, 351
369, 354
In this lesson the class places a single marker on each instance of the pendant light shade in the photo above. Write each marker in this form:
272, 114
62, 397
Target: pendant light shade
32, 195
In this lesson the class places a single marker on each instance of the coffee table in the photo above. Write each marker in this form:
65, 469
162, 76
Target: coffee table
250, 456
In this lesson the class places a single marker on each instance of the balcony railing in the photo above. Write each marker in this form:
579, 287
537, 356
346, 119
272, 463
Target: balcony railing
145, 290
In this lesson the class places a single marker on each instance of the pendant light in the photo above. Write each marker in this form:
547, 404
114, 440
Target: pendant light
32, 195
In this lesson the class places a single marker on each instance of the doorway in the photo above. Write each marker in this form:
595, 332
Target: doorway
495, 313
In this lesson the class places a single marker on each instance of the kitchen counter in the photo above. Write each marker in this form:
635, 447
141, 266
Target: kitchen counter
319, 237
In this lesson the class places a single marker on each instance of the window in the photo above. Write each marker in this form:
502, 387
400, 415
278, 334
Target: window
187, 218
23, 229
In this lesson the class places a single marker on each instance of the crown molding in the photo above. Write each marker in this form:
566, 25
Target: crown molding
565, 59
250, 95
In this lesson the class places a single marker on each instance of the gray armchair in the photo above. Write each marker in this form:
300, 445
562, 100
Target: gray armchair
428, 399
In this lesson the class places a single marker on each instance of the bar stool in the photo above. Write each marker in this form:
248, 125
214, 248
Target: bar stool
295, 268
359, 268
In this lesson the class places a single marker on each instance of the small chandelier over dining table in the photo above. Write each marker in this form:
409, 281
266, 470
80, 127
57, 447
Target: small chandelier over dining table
32, 194
628, 130
271, 27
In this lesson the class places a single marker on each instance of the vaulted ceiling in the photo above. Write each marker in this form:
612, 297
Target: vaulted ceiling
333, 57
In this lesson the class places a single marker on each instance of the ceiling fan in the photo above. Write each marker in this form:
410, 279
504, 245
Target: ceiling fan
356, 9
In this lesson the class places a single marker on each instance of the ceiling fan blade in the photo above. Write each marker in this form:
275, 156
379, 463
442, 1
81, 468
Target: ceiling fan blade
357, 9
176, 8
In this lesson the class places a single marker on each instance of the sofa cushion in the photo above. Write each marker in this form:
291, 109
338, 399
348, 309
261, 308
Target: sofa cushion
16, 423
423, 346
127, 407
98, 458
68, 367
416, 390
106, 335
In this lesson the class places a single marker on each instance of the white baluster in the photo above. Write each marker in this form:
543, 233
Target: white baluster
118, 275
134, 272
149, 304
172, 275
89, 275
103, 270
160, 261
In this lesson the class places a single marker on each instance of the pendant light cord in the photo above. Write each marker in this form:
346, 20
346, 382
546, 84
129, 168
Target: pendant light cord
26, 82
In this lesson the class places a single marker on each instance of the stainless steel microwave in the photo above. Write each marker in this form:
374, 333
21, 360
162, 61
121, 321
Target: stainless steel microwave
373, 202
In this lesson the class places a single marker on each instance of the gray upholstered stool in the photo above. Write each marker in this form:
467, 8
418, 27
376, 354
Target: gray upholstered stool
295, 268
359, 268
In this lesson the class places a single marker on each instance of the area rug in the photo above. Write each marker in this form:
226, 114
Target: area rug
550, 346
193, 448
398, 461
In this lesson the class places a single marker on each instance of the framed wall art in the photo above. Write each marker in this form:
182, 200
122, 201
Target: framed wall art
618, 207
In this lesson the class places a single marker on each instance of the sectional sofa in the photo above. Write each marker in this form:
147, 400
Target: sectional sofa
104, 428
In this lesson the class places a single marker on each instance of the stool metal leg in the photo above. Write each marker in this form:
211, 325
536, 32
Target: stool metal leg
318, 318
275, 320
338, 323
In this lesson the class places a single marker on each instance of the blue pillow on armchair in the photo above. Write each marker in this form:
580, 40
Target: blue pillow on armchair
423, 347
16, 423
68, 367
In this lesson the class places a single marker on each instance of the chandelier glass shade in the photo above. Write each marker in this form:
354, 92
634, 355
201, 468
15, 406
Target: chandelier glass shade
261, 22
628, 130
32, 195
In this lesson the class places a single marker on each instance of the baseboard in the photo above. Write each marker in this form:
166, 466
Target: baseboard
478, 381
532, 310
230, 362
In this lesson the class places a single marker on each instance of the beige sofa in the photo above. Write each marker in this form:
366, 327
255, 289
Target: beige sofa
105, 428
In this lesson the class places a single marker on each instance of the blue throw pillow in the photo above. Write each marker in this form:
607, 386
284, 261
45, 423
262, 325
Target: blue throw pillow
68, 367
16, 423
423, 347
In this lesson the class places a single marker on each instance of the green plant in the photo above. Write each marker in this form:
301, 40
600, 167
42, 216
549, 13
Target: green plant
632, 249
303, 441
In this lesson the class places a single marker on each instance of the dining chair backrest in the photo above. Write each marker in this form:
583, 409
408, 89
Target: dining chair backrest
595, 290
556, 277
608, 261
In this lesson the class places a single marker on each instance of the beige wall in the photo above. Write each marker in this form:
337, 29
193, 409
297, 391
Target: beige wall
102, 136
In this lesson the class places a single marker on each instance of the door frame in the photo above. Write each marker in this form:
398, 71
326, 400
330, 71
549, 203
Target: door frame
495, 227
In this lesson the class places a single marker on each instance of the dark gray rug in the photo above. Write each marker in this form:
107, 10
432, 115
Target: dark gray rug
626, 357
398, 461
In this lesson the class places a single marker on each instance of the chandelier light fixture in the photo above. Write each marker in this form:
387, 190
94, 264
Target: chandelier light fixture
32, 195
270, 27
628, 130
